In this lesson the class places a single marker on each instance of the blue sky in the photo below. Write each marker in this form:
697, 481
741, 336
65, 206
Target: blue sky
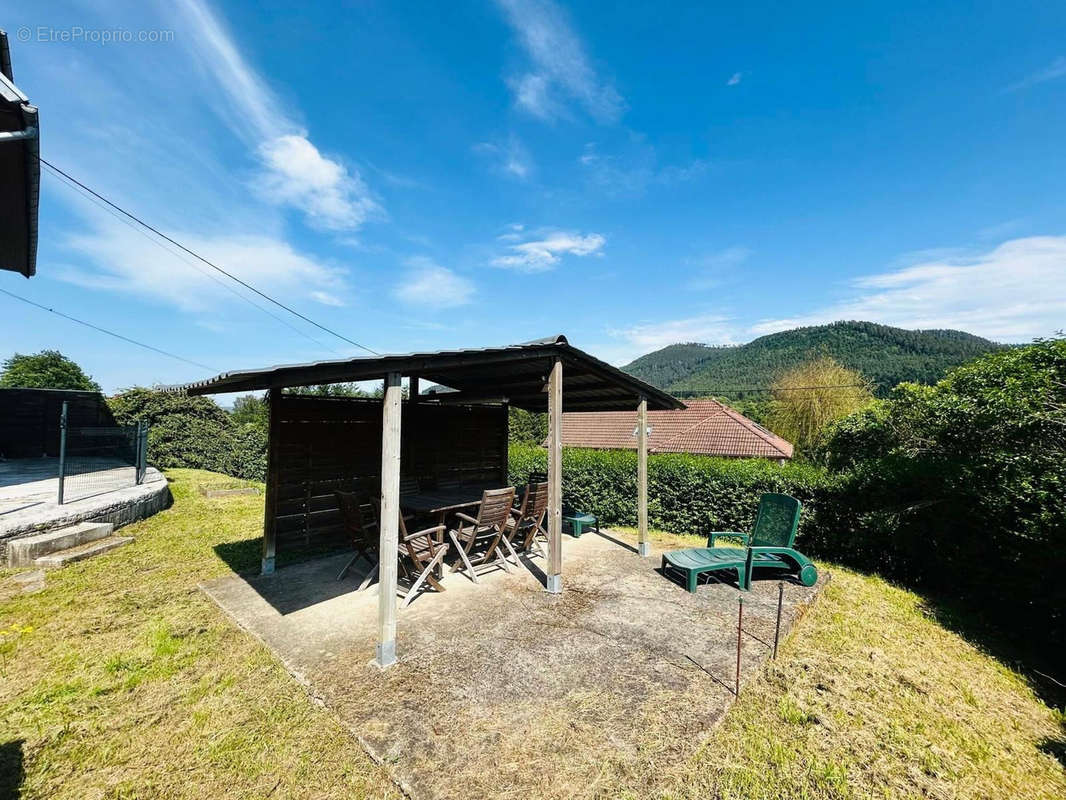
463, 174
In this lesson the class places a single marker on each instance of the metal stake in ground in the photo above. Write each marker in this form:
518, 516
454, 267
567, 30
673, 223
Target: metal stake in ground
740, 624
780, 599
62, 450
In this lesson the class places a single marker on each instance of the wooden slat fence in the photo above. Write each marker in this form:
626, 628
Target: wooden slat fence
325, 444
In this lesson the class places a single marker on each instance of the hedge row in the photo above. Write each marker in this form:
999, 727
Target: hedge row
686, 493
193, 432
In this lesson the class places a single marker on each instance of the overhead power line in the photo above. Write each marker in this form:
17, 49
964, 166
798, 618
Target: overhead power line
199, 257
109, 333
185, 260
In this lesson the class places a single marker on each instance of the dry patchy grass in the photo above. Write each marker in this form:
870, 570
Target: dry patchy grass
121, 679
871, 697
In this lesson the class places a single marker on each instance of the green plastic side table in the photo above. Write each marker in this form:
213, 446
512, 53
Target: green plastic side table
576, 524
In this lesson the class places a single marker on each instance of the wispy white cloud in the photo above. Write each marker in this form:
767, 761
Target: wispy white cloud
1014, 292
635, 168
1001, 230
560, 70
332, 195
545, 252
735, 78
300, 176
429, 285
646, 337
711, 269
509, 157
1056, 69
124, 261
513, 233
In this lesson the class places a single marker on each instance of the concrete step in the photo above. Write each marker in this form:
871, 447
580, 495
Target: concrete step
22, 552
82, 551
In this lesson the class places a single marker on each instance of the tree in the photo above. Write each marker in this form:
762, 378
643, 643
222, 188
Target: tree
808, 397
193, 432
328, 390
959, 486
250, 409
48, 369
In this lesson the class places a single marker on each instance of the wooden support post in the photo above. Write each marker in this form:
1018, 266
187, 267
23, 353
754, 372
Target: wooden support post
643, 547
270, 501
390, 521
555, 478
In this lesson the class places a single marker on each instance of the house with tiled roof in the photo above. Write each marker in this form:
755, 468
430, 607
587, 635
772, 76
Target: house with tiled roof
705, 427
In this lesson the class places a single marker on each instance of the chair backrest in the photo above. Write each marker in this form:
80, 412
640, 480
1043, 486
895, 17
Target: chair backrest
536, 499
776, 523
357, 513
409, 486
496, 507
538, 477
417, 548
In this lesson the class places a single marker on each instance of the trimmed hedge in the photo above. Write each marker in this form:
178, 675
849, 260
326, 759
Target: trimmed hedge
193, 432
686, 493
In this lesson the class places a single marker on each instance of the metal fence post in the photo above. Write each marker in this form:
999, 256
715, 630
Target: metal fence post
142, 450
777, 628
62, 450
740, 629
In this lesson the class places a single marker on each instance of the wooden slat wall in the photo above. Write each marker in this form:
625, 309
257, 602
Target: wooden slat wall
326, 444
29, 419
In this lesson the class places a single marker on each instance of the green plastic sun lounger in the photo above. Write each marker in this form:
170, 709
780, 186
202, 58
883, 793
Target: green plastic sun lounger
768, 546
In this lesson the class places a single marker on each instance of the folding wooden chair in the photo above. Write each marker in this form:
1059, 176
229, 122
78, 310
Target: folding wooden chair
425, 549
526, 528
360, 521
489, 526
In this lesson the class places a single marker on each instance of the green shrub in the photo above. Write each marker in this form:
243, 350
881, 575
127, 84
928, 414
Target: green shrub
960, 487
193, 432
686, 493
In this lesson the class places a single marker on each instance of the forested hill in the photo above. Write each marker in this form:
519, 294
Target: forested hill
883, 354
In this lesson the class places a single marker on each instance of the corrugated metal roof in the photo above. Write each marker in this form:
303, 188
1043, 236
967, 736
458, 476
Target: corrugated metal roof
705, 427
516, 373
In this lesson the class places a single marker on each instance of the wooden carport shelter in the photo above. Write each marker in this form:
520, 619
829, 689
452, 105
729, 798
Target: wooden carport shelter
308, 435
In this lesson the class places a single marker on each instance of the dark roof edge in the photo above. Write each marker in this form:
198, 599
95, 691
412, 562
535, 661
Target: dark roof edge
367, 368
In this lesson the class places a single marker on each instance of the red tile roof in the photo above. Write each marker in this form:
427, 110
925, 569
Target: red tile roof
706, 427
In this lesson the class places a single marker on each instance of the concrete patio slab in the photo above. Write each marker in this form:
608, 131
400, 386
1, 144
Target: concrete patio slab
505, 690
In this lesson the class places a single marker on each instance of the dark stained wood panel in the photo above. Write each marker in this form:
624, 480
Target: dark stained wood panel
329, 444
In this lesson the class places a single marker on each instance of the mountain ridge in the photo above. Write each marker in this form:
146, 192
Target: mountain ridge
884, 354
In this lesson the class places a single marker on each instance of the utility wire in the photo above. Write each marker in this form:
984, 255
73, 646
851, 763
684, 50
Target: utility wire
192, 265
109, 333
199, 257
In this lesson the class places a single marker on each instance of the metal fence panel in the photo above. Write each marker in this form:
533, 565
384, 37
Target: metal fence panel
98, 459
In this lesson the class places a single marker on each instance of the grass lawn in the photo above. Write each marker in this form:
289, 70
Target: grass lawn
121, 679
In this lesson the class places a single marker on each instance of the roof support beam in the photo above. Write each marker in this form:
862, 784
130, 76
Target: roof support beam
389, 523
643, 547
270, 502
555, 478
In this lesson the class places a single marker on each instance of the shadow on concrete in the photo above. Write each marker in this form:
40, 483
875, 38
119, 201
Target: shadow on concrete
12, 769
312, 579
21, 508
613, 540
